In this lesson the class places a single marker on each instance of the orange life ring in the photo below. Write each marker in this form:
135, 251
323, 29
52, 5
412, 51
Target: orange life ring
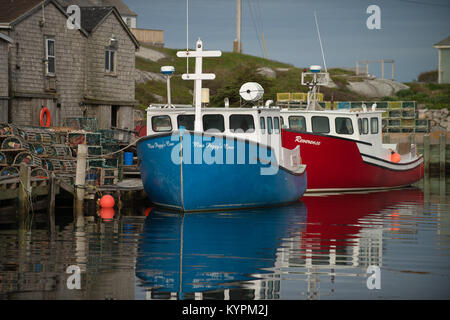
45, 111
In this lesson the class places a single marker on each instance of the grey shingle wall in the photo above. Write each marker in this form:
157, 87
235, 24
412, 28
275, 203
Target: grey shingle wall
80, 67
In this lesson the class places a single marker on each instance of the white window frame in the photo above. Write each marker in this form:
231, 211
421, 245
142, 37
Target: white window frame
47, 56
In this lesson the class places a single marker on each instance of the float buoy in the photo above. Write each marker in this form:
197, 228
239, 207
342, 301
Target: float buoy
395, 157
46, 112
107, 201
147, 211
107, 213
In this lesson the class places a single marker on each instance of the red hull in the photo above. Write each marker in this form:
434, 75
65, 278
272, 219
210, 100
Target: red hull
336, 164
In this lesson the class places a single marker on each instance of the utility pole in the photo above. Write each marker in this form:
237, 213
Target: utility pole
237, 45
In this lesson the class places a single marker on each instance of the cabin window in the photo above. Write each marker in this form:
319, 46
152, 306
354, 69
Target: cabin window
373, 125
161, 123
297, 123
365, 126
360, 126
213, 122
242, 123
187, 121
262, 123
343, 125
50, 56
276, 124
282, 121
269, 125
320, 124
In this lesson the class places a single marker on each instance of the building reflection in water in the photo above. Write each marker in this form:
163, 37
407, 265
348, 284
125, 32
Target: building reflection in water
252, 254
103, 247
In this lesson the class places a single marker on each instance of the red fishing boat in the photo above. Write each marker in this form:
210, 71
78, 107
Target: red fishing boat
343, 148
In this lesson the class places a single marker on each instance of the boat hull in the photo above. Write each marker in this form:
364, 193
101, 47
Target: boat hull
196, 172
336, 164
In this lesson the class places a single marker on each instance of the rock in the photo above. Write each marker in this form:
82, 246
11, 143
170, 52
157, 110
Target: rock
422, 114
444, 111
376, 88
282, 69
144, 76
267, 72
158, 97
436, 115
150, 54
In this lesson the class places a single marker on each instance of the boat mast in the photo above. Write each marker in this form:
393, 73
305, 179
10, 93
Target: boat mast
198, 76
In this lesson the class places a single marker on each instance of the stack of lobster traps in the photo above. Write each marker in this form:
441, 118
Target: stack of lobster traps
54, 149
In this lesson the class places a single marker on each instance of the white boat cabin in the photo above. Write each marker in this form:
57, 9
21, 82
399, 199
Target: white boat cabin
257, 124
356, 125
359, 125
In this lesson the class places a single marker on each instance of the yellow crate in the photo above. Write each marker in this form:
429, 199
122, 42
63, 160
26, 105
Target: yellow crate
283, 97
298, 96
394, 104
327, 105
319, 96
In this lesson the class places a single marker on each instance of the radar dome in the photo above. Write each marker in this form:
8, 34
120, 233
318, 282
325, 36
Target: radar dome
251, 91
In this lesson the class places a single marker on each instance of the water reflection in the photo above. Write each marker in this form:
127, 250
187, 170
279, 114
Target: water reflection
208, 251
250, 254
317, 249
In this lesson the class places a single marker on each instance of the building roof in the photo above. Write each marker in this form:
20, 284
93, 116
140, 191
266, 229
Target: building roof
10, 10
443, 43
123, 9
4, 37
92, 16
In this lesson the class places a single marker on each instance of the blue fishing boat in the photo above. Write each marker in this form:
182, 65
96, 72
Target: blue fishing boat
195, 159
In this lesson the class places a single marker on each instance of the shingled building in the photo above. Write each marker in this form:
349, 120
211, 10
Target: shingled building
87, 71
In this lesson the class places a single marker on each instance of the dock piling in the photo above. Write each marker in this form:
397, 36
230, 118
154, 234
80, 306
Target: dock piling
24, 194
51, 205
442, 156
80, 179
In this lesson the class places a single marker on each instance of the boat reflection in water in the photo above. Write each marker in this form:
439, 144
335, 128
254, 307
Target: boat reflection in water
272, 252
209, 251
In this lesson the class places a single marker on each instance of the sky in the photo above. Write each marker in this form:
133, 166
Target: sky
409, 29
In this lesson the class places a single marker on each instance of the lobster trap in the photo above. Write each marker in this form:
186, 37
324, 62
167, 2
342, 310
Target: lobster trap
27, 158
9, 171
40, 173
15, 143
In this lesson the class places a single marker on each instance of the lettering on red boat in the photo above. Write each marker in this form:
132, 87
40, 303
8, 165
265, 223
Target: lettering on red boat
300, 140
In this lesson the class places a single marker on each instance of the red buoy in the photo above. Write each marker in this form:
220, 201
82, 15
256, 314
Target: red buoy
107, 201
147, 211
395, 157
107, 213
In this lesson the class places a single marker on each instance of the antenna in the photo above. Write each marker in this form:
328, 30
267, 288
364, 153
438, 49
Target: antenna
187, 35
320, 40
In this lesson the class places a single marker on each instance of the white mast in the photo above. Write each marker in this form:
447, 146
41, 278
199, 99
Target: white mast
198, 76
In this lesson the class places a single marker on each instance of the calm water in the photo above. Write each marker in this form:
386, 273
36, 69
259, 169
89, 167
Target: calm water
319, 248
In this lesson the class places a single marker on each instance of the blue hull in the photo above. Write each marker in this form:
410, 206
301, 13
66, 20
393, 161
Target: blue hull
195, 172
